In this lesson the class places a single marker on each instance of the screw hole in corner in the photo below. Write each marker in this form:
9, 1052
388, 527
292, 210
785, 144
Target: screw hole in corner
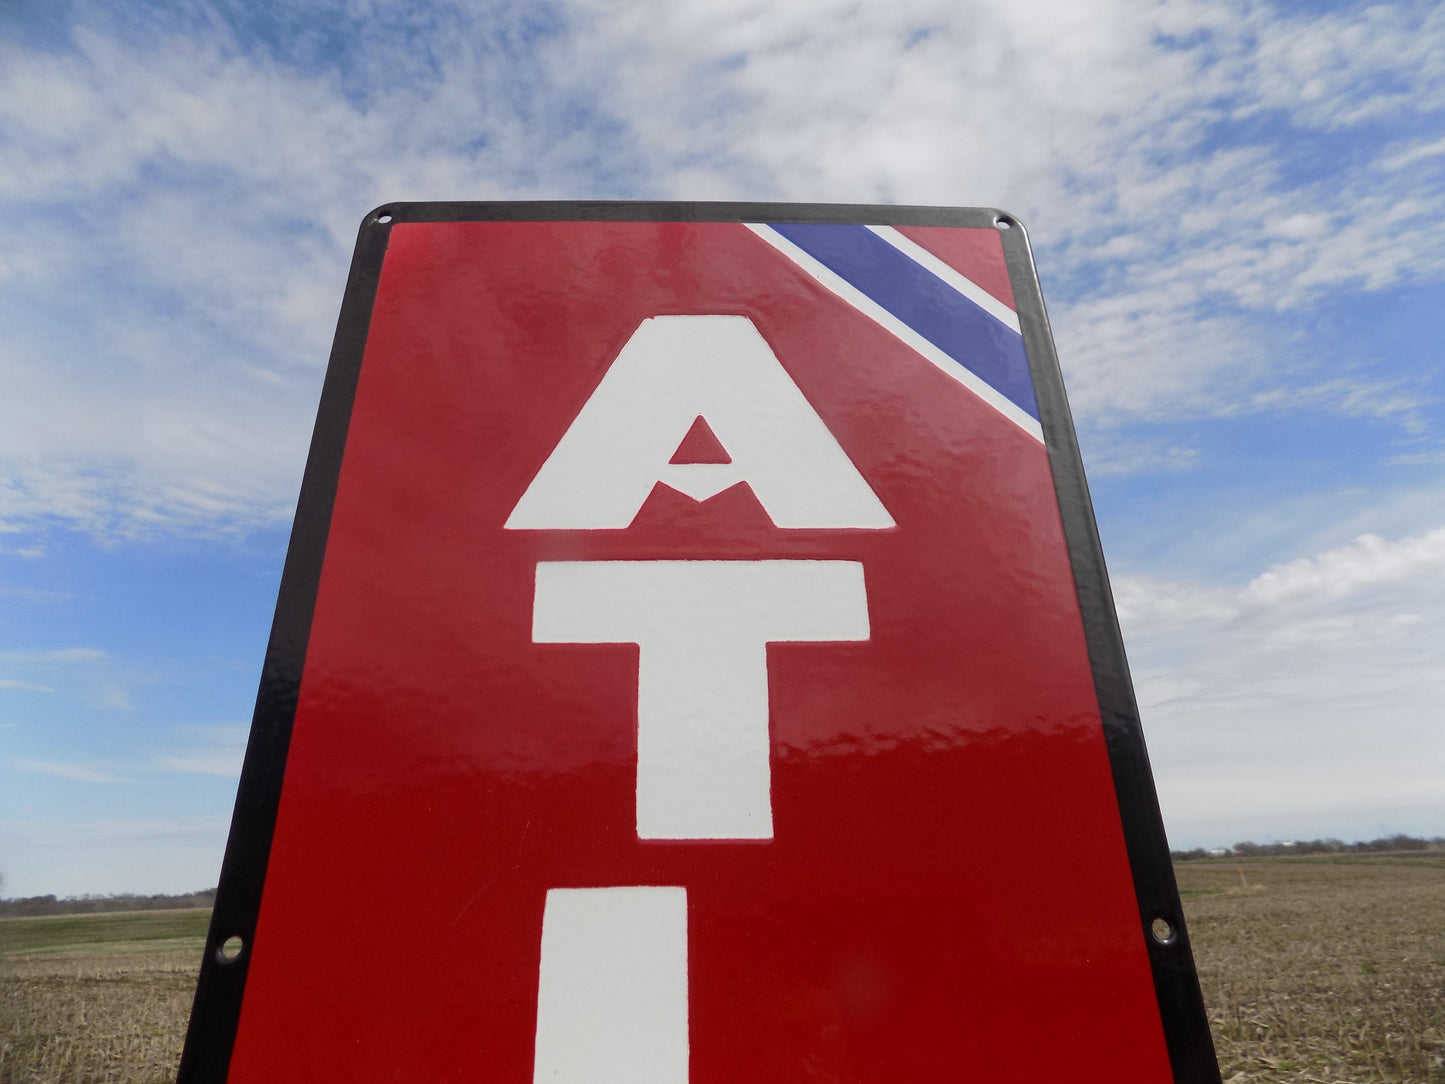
1162, 930
384, 217
229, 950
1003, 222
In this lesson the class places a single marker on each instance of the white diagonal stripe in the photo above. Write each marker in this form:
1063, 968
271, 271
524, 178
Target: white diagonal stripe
840, 286
951, 275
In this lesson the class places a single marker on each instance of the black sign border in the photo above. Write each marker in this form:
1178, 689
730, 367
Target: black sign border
216, 1012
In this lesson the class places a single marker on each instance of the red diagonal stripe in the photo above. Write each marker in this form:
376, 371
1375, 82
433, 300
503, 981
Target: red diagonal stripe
975, 254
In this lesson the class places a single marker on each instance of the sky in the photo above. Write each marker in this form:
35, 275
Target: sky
1238, 212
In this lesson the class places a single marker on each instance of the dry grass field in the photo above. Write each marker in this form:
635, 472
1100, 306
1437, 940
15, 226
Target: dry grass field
1319, 969
97, 999
1328, 968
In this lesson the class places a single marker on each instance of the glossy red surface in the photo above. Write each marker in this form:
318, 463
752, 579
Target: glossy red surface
947, 895
700, 445
977, 254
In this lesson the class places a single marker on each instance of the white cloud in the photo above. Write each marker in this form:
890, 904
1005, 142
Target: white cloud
1369, 562
76, 771
182, 214
1343, 579
1200, 177
1336, 70
113, 698
1120, 132
1314, 688
181, 204
88, 674
1125, 456
1345, 397
213, 750
1412, 153
119, 854
213, 762
41, 657
35, 594
28, 686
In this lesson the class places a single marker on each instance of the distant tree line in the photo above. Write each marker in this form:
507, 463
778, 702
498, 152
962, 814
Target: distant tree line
1383, 845
90, 905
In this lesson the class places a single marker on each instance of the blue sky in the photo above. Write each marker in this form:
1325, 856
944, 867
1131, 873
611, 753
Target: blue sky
1238, 210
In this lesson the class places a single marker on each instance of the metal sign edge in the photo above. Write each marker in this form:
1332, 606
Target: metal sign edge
1176, 984
216, 1011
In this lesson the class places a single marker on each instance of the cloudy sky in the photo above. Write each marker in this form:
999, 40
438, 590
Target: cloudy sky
1238, 211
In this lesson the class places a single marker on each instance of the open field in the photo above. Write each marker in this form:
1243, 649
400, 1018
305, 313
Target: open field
86, 999
1317, 969
1328, 968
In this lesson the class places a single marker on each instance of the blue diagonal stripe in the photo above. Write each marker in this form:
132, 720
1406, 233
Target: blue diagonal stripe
990, 350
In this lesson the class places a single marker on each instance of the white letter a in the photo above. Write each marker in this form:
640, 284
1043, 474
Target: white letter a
672, 371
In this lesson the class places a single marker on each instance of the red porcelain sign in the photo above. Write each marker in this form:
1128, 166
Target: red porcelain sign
696, 688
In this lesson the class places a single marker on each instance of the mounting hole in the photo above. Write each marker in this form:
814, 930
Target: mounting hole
229, 950
1003, 222
384, 217
1162, 930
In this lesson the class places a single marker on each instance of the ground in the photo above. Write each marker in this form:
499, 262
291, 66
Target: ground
1318, 969
86, 999
1326, 968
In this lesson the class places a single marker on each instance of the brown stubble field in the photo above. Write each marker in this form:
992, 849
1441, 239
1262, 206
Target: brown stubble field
1328, 968
1320, 969
97, 999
